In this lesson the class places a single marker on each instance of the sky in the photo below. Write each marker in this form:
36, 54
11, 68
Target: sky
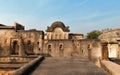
82, 16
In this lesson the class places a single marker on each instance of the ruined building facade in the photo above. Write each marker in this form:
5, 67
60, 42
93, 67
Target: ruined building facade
57, 41
15, 41
112, 38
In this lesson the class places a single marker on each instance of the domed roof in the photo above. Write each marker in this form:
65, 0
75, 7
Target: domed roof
58, 24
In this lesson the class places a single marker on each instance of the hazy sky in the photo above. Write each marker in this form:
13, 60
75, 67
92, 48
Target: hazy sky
81, 15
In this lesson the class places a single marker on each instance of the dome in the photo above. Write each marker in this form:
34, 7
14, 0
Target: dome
58, 24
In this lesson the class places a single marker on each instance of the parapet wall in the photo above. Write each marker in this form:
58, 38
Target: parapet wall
26, 69
15, 59
111, 67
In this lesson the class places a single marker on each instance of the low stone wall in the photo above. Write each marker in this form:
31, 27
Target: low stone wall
111, 67
26, 69
6, 71
15, 59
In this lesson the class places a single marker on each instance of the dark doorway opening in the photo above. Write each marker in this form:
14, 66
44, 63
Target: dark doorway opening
49, 49
30, 47
105, 51
61, 50
15, 50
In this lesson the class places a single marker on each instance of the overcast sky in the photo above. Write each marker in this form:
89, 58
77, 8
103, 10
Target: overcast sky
80, 15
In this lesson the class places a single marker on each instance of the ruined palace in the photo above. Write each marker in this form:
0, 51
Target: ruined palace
19, 47
57, 41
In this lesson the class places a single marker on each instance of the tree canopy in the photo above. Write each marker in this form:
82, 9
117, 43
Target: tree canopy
93, 34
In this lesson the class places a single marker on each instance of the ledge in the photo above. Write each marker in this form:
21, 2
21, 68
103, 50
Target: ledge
111, 67
24, 70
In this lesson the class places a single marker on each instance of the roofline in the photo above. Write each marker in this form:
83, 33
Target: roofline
7, 27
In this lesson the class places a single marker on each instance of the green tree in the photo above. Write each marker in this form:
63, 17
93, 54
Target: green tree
93, 34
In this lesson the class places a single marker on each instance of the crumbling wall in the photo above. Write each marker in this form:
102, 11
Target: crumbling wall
70, 48
61, 48
28, 42
33, 41
5, 38
91, 49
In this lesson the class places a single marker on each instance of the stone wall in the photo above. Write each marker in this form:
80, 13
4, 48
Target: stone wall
5, 38
33, 41
91, 49
16, 59
57, 34
77, 36
55, 48
112, 37
21, 42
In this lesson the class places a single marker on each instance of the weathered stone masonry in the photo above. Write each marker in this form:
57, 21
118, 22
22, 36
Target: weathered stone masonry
56, 42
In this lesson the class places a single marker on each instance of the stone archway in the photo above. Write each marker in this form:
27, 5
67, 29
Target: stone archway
29, 48
15, 48
49, 49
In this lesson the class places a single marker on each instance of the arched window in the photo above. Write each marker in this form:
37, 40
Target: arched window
61, 50
29, 42
49, 46
89, 46
82, 51
38, 43
61, 46
49, 49
39, 49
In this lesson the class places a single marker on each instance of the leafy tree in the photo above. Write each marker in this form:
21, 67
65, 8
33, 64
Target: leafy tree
93, 34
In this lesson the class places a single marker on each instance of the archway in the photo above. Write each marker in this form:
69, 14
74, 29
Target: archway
29, 48
15, 50
105, 51
49, 49
61, 50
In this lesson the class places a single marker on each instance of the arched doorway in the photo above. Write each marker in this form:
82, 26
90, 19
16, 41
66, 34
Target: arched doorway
105, 51
61, 50
89, 51
49, 49
15, 50
30, 47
